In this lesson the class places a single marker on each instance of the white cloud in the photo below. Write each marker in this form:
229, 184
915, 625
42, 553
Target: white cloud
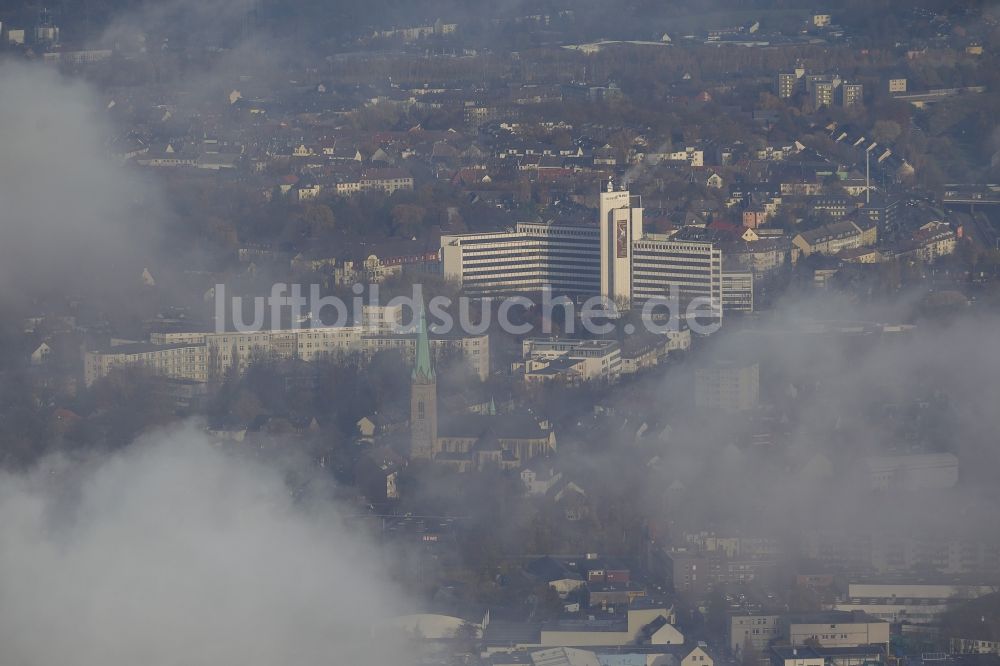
174, 552
70, 215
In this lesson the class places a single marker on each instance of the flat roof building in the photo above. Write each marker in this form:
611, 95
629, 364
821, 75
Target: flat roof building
835, 629
615, 259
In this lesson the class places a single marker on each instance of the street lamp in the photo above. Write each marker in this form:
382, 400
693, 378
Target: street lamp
868, 185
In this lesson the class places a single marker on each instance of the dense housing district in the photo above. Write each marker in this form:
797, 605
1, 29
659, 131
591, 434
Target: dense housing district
800, 472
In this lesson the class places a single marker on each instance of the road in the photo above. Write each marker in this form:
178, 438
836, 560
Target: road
981, 230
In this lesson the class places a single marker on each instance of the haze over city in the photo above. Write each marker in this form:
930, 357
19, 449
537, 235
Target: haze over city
619, 333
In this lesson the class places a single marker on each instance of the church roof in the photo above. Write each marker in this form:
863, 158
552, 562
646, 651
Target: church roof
501, 426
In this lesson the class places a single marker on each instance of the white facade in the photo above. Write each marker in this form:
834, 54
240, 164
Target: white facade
41, 354
584, 634
918, 590
383, 318
528, 259
178, 361
756, 630
691, 156
577, 360
202, 356
837, 632
615, 259
915, 603
737, 291
679, 340
694, 268
914, 471
974, 646
852, 94
731, 387
620, 222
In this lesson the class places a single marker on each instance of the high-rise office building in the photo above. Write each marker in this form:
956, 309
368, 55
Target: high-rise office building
565, 258
615, 259
620, 224
693, 268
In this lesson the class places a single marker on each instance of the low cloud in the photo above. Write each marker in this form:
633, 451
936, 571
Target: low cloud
72, 217
175, 552
834, 395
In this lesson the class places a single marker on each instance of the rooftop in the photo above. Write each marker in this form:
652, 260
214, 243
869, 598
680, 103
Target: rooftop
831, 617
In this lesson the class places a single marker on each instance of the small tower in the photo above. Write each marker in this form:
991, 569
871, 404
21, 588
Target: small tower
423, 397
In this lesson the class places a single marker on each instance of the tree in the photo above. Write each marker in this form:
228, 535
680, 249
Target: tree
768, 101
562, 139
408, 220
214, 364
749, 655
716, 619
246, 407
319, 219
467, 637
127, 402
886, 131
621, 143
550, 606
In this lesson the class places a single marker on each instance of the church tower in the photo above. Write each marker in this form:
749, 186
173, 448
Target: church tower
423, 397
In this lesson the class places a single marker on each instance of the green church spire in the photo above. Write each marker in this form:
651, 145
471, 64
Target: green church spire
423, 369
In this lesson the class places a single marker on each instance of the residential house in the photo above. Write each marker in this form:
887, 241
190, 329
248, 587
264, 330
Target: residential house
558, 573
539, 476
640, 352
754, 217
307, 192
831, 238
787, 655
727, 385
570, 360
860, 255
377, 474
41, 354
930, 241
755, 631
835, 206
697, 573
897, 84
571, 499
387, 180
